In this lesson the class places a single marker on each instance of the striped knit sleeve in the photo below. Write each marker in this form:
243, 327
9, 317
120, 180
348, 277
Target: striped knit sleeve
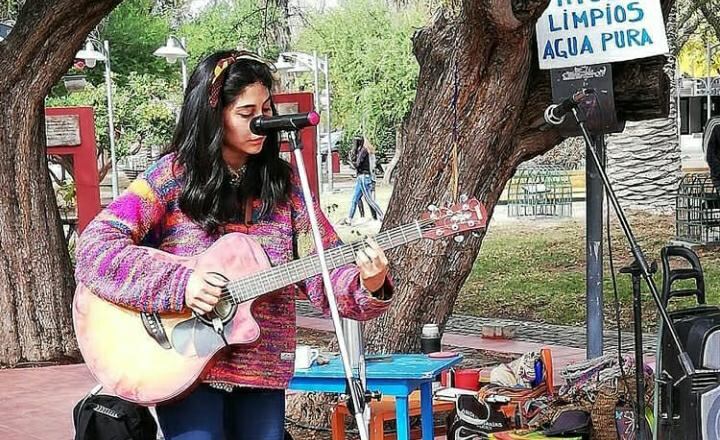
353, 300
111, 264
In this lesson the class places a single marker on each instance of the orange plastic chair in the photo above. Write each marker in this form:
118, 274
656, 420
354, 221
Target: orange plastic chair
383, 411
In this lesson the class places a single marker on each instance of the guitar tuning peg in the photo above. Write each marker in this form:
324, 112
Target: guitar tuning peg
432, 208
459, 238
476, 234
464, 198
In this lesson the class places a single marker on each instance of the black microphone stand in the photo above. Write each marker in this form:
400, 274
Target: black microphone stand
643, 269
359, 397
635, 272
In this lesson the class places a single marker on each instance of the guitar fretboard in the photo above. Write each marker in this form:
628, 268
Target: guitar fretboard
278, 277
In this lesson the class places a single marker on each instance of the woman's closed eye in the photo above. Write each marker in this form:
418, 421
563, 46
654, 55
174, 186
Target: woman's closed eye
250, 114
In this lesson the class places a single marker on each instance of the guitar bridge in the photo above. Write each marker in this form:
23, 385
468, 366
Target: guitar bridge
155, 329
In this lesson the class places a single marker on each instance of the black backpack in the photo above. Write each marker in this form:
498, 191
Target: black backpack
102, 417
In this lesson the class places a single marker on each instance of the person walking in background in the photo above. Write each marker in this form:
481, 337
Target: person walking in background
364, 183
352, 155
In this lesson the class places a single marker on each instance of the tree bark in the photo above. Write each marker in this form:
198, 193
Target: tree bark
643, 161
400, 135
644, 165
280, 29
36, 279
491, 50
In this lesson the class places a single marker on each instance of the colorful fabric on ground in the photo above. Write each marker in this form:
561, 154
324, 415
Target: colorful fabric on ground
524, 435
112, 263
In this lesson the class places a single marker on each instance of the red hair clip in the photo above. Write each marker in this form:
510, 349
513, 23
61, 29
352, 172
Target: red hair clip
222, 66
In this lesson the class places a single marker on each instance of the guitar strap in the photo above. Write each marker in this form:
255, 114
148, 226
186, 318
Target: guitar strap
248, 211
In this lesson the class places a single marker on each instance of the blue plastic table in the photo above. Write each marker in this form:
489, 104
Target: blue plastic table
397, 376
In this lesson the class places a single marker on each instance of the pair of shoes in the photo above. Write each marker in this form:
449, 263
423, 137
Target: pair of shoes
345, 222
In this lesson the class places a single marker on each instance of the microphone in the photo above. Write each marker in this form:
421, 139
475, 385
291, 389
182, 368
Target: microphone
262, 125
555, 113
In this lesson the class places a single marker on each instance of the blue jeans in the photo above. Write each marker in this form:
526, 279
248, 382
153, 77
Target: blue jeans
211, 414
364, 186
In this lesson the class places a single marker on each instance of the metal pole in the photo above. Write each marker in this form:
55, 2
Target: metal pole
707, 90
357, 393
111, 124
316, 95
683, 357
329, 126
678, 116
639, 360
353, 331
594, 253
183, 64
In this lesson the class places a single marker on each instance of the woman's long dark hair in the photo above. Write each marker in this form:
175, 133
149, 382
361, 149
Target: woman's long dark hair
208, 197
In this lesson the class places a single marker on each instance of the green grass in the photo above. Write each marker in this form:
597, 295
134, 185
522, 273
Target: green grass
534, 269
529, 271
336, 206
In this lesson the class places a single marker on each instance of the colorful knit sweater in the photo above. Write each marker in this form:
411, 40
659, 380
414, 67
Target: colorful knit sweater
111, 263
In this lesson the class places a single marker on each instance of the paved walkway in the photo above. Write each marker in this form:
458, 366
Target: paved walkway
36, 403
533, 332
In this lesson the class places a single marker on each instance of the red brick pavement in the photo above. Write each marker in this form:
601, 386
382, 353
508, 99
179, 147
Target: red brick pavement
36, 403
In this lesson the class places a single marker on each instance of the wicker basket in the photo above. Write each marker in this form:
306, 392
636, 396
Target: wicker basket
603, 410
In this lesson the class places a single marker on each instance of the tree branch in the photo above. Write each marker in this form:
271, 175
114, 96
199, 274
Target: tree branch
686, 28
45, 32
710, 14
501, 15
506, 15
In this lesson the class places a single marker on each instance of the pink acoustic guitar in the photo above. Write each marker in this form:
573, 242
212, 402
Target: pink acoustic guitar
151, 358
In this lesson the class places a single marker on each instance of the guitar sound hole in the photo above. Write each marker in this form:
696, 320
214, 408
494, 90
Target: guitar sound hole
223, 310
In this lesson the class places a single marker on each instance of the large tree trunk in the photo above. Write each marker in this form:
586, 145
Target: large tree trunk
36, 280
643, 161
492, 51
502, 95
280, 29
644, 165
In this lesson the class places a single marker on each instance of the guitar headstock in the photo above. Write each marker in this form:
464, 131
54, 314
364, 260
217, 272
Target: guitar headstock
466, 215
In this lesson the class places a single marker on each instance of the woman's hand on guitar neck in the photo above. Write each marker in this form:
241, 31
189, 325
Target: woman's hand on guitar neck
201, 296
373, 265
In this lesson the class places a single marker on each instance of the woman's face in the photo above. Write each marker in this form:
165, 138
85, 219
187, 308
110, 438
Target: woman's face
239, 142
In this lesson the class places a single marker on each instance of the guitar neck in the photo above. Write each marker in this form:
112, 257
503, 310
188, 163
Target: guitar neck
295, 271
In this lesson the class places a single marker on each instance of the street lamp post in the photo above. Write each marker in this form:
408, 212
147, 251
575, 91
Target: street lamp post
91, 57
329, 126
710, 52
175, 49
316, 95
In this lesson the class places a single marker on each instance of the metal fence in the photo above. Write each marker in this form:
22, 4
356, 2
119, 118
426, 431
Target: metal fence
540, 191
697, 210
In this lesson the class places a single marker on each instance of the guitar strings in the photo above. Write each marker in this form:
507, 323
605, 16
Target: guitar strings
345, 253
